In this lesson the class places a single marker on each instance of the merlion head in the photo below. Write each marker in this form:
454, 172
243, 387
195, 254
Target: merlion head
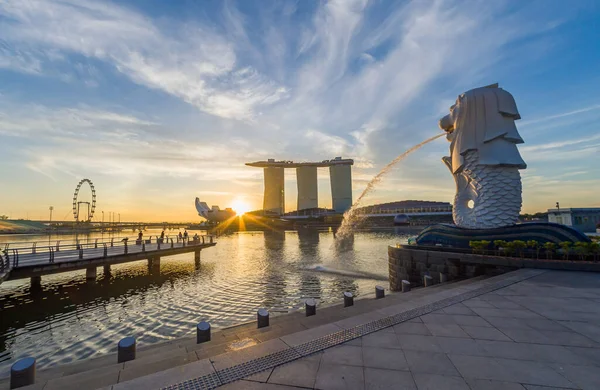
483, 120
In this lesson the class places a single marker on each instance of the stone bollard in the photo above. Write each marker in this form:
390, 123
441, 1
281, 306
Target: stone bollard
443, 277
202, 332
22, 373
427, 280
311, 307
126, 350
262, 318
348, 299
405, 286
379, 292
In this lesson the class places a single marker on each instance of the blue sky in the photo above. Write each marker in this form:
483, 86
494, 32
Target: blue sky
159, 102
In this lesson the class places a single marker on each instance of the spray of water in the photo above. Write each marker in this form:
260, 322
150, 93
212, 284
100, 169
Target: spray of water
352, 218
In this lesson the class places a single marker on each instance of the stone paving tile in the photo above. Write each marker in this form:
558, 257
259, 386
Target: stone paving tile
310, 334
461, 346
536, 387
592, 355
339, 377
233, 358
486, 384
343, 354
385, 358
446, 330
249, 385
506, 304
473, 320
544, 324
411, 328
103, 376
533, 352
506, 313
442, 319
168, 377
131, 372
481, 333
477, 303
429, 362
302, 373
381, 339
377, 379
262, 376
592, 331
535, 373
356, 342
410, 342
458, 309
585, 377
437, 382
480, 367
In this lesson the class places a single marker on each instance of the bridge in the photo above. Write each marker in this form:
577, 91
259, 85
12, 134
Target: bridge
32, 260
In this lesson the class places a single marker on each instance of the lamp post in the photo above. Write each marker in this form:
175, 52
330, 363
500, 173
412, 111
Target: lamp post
50, 208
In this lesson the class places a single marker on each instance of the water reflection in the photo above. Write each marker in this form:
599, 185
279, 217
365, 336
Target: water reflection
70, 319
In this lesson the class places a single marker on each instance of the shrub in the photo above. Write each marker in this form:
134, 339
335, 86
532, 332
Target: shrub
594, 248
533, 244
518, 246
582, 249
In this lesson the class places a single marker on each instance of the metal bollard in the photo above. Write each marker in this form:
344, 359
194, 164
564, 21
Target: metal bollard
379, 292
202, 332
262, 318
22, 373
427, 280
443, 277
126, 350
405, 286
348, 299
311, 307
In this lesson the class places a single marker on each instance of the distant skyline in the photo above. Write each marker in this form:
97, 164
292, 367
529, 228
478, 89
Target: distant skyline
162, 102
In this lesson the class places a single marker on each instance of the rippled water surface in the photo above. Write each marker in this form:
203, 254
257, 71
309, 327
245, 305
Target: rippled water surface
71, 319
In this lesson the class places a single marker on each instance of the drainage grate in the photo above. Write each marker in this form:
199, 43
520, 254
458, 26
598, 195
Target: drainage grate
206, 382
255, 366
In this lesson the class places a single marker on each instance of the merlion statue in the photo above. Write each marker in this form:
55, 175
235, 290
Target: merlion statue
484, 158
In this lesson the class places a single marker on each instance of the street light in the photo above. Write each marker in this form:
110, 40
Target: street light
51, 208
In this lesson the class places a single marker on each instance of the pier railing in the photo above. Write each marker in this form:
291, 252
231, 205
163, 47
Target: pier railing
28, 253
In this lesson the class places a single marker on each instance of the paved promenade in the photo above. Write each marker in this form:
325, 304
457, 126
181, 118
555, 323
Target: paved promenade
528, 329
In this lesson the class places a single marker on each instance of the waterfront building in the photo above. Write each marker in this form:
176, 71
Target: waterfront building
582, 219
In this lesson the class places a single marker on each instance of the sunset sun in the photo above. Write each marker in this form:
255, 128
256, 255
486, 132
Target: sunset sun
240, 206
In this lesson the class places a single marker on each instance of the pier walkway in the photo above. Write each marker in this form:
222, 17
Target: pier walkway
33, 260
523, 330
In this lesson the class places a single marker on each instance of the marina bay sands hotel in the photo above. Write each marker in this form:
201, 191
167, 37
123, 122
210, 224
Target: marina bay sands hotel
340, 173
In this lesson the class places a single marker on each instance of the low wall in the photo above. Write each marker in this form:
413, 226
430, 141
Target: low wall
409, 262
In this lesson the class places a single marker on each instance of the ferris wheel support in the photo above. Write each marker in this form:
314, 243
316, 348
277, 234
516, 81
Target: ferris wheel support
91, 206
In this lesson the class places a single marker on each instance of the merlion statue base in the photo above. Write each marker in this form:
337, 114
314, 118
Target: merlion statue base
447, 235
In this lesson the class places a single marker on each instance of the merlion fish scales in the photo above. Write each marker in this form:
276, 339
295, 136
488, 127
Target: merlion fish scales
484, 158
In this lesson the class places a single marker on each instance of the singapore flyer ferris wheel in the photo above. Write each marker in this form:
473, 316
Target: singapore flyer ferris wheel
89, 206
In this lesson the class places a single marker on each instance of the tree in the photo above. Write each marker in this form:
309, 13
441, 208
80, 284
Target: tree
550, 247
3, 217
518, 247
565, 246
582, 249
533, 244
500, 245
594, 248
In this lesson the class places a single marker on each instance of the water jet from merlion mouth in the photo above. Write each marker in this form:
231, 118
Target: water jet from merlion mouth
353, 219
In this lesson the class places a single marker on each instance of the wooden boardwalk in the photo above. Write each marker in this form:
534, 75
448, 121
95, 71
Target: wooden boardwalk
35, 261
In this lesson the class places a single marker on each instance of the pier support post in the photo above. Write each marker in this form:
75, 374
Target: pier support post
379, 292
126, 350
107, 269
405, 286
202, 332
262, 318
90, 273
197, 257
348, 299
154, 264
22, 373
36, 282
311, 307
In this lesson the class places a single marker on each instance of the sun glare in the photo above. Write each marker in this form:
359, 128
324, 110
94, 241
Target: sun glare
240, 206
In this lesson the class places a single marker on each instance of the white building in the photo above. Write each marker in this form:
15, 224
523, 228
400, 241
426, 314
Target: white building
583, 219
